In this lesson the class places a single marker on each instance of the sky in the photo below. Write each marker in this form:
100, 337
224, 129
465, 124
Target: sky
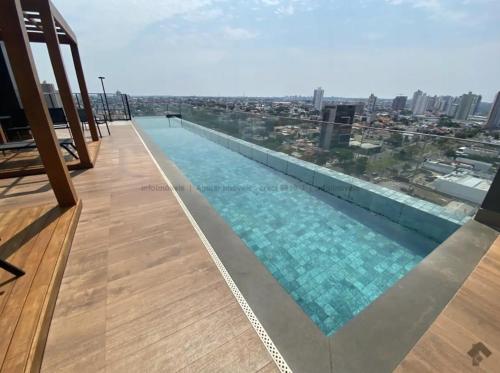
351, 48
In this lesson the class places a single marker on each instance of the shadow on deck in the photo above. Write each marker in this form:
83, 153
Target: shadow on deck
36, 240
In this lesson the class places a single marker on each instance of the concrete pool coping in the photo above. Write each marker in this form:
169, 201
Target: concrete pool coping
380, 336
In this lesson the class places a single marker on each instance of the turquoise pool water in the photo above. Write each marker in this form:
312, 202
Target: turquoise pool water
332, 257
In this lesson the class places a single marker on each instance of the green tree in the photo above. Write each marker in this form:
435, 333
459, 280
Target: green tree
396, 139
360, 165
344, 155
450, 153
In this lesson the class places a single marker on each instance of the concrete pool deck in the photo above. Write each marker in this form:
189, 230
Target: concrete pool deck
380, 336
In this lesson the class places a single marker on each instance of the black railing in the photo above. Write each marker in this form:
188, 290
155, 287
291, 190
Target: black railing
110, 107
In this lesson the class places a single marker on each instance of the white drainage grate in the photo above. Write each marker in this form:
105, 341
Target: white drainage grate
261, 332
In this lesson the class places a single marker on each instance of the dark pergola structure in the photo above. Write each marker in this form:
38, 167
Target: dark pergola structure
38, 21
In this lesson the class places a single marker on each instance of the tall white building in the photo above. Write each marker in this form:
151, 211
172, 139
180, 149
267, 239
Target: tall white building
419, 103
468, 104
318, 98
415, 98
494, 116
372, 101
444, 103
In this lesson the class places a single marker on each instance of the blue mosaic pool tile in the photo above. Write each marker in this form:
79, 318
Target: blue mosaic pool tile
332, 257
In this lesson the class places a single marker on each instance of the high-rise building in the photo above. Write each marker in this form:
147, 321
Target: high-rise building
476, 107
372, 101
431, 102
493, 121
420, 104
444, 103
318, 98
399, 103
339, 113
337, 125
415, 99
467, 105
453, 106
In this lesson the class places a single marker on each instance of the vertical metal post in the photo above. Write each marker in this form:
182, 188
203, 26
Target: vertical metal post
104, 107
128, 107
105, 97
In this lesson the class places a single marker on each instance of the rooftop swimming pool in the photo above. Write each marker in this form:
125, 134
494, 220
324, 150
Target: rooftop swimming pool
333, 257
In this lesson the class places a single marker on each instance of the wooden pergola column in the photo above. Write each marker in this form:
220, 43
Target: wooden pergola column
83, 91
16, 42
52, 41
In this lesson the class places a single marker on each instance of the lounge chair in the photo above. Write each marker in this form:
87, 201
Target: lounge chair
66, 144
84, 119
56, 114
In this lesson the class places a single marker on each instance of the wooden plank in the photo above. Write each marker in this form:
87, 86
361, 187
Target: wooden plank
29, 163
471, 317
43, 250
26, 258
39, 338
183, 347
244, 354
140, 291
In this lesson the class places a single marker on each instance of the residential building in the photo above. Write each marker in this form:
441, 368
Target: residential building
415, 99
318, 98
420, 105
476, 107
493, 122
372, 101
467, 105
399, 103
337, 126
431, 102
339, 113
444, 103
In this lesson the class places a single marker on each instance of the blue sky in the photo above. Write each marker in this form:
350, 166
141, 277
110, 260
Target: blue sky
285, 47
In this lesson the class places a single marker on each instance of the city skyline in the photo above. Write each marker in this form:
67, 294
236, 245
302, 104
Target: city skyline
281, 48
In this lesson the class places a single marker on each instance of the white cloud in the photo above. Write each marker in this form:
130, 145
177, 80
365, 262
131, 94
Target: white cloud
205, 15
117, 22
237, 33
287, 10
438, 9
270, 2
288, 7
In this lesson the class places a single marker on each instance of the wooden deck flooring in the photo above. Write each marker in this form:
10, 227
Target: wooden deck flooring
472, 317
28, 162
37, 240
140, 292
